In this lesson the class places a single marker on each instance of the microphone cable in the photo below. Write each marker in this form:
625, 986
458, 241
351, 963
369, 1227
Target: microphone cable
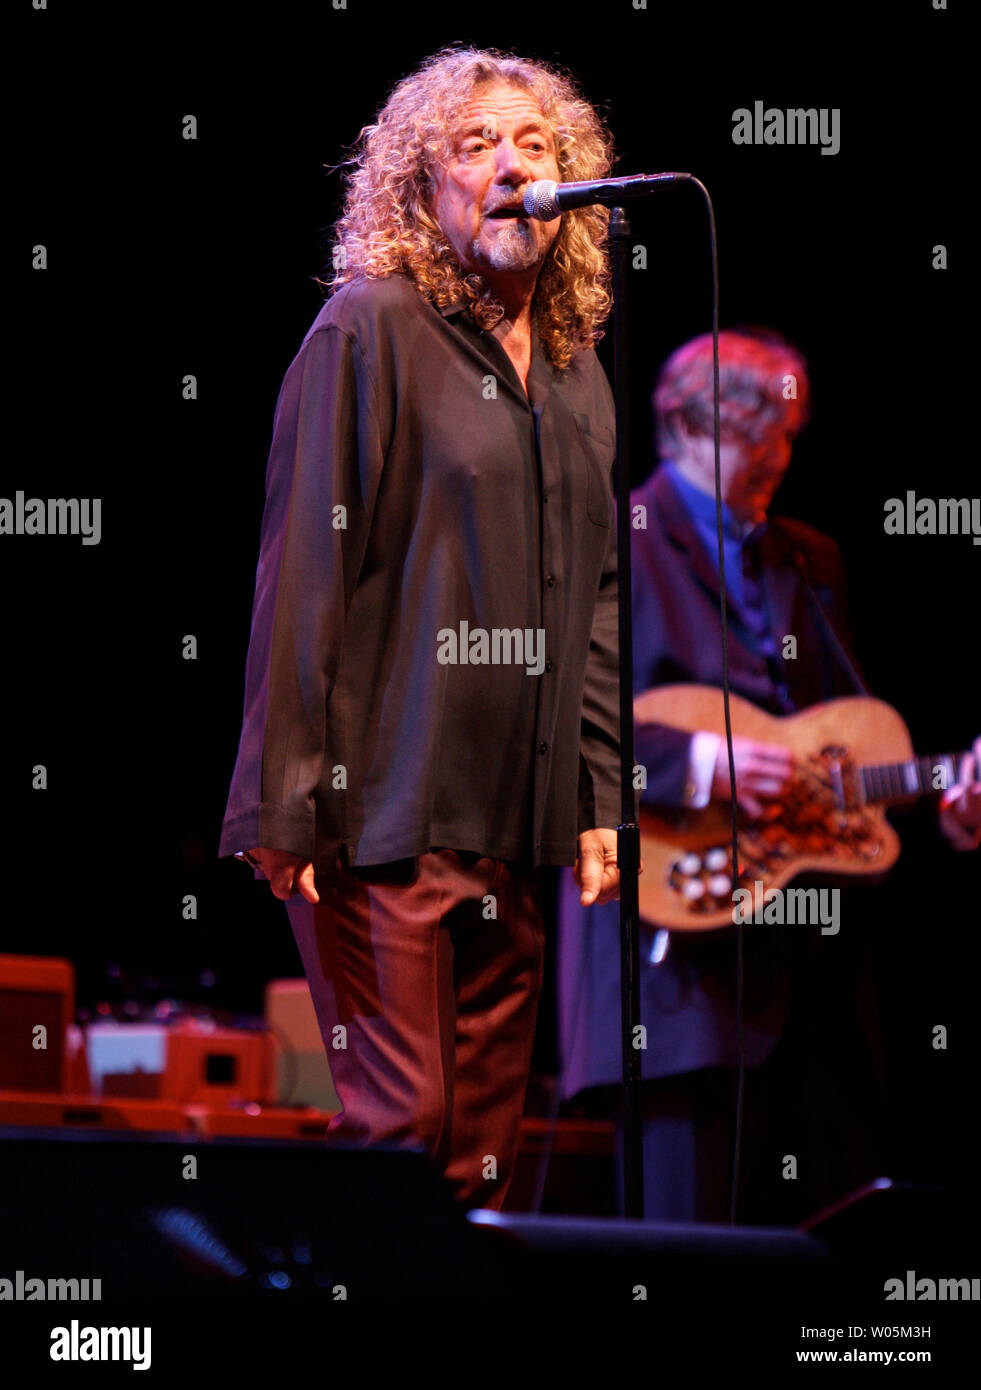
545, 1157
733, 806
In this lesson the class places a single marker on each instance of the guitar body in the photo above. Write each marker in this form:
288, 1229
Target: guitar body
824, 826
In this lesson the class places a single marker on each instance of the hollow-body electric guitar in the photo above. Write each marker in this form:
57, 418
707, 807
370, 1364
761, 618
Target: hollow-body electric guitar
852, 758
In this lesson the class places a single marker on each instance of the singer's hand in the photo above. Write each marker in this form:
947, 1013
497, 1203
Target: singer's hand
287, 873
596, 870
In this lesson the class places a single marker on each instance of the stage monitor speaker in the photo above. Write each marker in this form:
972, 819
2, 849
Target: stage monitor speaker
181, 1218
177, 1217
675, 1265
897, 1226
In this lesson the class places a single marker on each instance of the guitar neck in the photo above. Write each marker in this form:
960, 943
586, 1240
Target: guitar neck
916, 777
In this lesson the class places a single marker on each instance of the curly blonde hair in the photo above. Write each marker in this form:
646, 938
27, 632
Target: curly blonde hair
388, 221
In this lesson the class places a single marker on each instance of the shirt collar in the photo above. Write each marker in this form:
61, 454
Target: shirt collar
454, 308
701, 507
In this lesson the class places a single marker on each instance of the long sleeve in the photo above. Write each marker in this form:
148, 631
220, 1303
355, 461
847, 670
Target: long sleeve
322, 479
662, 750
665, 752
599, 758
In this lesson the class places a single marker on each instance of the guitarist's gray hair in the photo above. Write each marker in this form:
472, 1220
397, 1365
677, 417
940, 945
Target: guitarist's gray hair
763, 385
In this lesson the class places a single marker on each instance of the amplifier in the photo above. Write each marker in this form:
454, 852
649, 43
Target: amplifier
37, 1005
192, 1060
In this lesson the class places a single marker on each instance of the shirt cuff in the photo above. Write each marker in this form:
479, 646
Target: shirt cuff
703, 753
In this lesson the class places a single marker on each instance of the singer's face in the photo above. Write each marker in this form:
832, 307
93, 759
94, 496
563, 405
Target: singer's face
501, 144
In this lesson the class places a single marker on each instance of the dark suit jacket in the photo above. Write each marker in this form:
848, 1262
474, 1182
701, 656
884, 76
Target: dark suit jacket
688, 1001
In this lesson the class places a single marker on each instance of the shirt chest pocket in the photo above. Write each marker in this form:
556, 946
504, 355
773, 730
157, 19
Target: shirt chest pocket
598, 447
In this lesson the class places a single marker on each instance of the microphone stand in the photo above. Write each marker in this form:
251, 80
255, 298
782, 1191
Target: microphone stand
547, 199
628, 831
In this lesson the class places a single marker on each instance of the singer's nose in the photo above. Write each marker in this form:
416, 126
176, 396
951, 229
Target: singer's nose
509, 164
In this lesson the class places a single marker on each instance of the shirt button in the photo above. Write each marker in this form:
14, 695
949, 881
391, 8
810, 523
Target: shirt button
548, 664
544, 496
550, 580
543, 747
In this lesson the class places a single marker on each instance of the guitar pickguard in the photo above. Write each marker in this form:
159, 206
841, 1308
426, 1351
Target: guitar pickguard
821, 817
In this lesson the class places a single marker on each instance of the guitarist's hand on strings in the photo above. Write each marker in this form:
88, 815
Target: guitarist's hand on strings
763, 773
960, 805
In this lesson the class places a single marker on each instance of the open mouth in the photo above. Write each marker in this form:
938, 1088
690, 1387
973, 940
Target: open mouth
512, 210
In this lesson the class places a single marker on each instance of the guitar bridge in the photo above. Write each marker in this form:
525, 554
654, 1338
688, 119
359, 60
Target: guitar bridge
821, 816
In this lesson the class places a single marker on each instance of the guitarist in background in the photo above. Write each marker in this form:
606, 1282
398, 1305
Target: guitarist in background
812, 1047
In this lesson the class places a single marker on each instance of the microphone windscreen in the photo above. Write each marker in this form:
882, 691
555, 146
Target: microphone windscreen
539, 200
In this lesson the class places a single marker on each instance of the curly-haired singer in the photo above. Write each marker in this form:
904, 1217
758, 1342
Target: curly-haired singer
431, 706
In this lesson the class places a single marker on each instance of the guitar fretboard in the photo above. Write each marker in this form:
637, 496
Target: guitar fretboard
916, 777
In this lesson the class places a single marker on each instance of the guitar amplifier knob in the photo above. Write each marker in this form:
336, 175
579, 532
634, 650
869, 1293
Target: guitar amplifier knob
719, 885
693, 889
717, 860
690, 865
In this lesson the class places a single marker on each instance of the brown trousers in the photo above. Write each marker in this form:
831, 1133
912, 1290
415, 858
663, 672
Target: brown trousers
427, 1006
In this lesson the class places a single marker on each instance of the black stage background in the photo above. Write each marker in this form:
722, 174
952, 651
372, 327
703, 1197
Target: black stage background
169, 257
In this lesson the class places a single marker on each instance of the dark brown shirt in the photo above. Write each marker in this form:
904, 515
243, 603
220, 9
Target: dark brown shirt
413, 487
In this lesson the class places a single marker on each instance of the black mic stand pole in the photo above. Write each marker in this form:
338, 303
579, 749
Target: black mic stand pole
628, 831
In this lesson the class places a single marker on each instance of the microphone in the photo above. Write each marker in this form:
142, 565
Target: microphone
547, 200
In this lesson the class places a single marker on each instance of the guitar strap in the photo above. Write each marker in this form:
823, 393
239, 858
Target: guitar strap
796, 558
